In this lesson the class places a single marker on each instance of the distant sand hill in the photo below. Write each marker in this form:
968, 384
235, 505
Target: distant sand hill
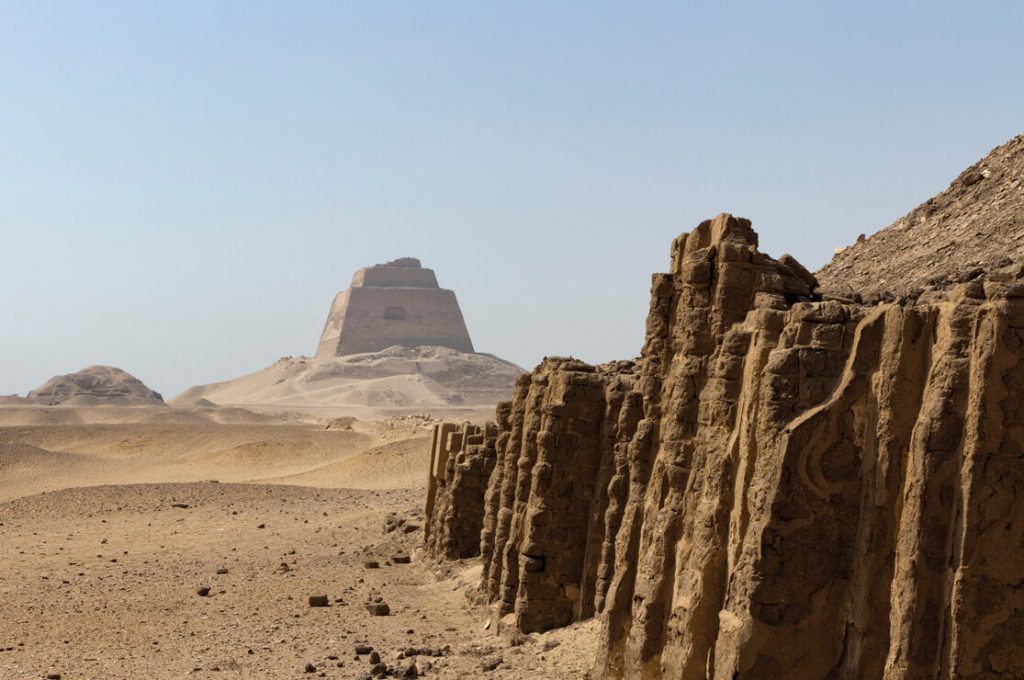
395, 380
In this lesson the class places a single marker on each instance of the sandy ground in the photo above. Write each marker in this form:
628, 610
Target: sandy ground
101, 566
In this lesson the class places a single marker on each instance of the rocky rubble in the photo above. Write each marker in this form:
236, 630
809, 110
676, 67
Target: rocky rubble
781, 486
975, 226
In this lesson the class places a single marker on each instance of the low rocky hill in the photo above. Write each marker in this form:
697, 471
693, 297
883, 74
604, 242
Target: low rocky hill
95, 386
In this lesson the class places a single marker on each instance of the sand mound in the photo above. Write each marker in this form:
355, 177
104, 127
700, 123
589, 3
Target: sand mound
94, 386
390, 454
975, 225
395, 380
19, 415
394, 465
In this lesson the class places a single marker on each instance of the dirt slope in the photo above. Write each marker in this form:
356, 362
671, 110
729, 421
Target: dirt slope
975, 225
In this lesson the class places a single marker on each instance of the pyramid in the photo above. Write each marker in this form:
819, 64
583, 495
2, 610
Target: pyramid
396, 303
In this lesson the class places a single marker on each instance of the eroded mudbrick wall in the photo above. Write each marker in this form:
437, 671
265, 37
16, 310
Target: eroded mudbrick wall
398, 303
782, 486
461, 459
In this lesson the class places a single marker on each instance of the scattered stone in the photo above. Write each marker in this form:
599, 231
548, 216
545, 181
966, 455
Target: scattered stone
374, 657
318, 601
222, 570
363, 649
401, 559
371, 564
179, 505
203, 591
310, 668
378, 608
491, 664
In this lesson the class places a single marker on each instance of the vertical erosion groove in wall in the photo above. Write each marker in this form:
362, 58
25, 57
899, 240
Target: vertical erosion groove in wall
461, 461
779, 487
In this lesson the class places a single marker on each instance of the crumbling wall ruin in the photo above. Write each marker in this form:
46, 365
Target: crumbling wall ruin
461, 460
781, 487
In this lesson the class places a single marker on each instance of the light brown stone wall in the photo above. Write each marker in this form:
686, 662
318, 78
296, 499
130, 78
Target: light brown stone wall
394, 277
782, 487
461, 460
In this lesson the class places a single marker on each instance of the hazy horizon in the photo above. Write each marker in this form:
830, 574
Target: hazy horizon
184, 189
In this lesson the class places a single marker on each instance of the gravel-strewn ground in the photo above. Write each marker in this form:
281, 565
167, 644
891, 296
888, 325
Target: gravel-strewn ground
103, 582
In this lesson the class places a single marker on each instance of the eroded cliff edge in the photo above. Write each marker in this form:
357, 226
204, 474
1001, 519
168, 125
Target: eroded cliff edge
779, 487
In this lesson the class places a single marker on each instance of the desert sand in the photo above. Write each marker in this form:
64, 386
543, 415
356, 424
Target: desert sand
374, 385
113, 520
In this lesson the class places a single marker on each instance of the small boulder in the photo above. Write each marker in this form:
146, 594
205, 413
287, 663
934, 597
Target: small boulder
318, 600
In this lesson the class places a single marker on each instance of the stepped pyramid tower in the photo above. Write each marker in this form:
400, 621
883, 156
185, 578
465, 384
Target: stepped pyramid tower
396, 303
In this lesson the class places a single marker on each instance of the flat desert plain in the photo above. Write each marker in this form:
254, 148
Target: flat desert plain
164, 543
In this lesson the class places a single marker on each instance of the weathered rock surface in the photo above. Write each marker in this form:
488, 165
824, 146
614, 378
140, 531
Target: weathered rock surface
461, 460
396, 303
780, 487
974, 226
95, 386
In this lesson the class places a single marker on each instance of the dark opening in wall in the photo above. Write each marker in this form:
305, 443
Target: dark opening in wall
395, 313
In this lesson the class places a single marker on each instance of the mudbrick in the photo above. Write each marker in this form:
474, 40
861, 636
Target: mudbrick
781, 486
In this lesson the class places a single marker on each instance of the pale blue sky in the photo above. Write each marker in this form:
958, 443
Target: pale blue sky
184, 186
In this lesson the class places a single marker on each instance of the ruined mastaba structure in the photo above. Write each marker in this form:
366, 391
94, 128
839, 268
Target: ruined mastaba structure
781, 486
396, 303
